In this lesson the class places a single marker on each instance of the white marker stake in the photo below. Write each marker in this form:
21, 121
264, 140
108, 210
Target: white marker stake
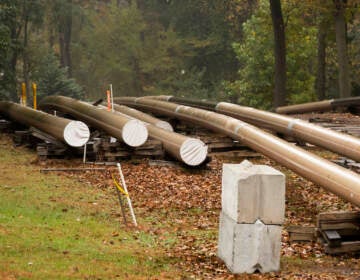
84, 157
112, 98
127, 197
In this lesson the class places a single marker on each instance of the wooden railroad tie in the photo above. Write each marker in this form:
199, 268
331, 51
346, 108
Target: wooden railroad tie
4, 125
339, 231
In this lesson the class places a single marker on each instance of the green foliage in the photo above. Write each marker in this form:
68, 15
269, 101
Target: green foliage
8, 47
255, 54
206, 30
6, 77
184, 84
137, 57
52, 79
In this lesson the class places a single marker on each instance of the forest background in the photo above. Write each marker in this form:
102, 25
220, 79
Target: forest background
207, 49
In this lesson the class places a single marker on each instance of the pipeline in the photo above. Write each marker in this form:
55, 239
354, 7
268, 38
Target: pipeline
337, 142
143, 117
130, 131
73, 133
320, 106
332, 177
190, 151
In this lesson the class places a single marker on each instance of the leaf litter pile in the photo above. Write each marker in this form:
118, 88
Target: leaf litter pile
180, 209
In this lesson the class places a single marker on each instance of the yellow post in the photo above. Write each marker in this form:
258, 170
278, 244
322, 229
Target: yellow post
34, 95
23, 94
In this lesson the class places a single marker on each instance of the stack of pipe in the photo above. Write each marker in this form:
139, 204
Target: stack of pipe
337, 142
143, 117
190, 151
73, 133
332, 177
132, 132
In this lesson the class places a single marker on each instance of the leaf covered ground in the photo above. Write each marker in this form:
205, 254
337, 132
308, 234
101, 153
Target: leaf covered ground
178, 214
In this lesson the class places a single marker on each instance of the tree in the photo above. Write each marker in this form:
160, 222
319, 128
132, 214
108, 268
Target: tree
9, 47
61, 25
16, 18
321, 59
207, 29
52, 78
341, 46
255, 53
31, 15
279, 53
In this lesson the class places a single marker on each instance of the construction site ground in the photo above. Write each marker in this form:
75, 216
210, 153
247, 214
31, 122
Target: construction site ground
61, 225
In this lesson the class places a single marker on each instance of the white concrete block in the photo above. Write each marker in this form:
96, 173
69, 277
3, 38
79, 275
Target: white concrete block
253, 192
246, 248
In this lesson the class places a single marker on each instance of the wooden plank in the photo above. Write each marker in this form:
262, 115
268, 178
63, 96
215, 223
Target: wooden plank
338, 217
345, 247
45, 137
117, 154
72, 169
235, 153
301, 233
338, 226
148, 153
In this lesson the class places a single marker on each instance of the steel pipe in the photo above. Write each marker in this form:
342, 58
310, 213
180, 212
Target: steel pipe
337, 142
321, 106
73, 133
130, 131
143, 117
332, 177
190, 151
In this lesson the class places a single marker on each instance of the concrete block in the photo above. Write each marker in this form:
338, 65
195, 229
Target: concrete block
253, 192
246, 248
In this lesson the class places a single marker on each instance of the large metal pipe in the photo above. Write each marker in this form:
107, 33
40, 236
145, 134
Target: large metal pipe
130, 131
190, 151
337, 142
143, 117
320, 106
73, 133
332, 177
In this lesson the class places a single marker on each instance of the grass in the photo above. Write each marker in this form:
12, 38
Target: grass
50, 228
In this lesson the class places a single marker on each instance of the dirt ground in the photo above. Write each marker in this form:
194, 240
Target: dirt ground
180, 208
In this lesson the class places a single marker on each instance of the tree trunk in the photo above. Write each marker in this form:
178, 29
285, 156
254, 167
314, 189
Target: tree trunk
321, 63
280, 53
15, 31
137, 79
65, 28
340, 31
25, 54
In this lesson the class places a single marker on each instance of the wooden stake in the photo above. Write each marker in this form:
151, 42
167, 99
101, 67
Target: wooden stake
127, 197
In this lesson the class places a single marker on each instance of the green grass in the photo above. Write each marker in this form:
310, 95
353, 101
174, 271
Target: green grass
50, 229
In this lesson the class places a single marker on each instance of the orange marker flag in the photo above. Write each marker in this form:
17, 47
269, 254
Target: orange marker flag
108, 100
